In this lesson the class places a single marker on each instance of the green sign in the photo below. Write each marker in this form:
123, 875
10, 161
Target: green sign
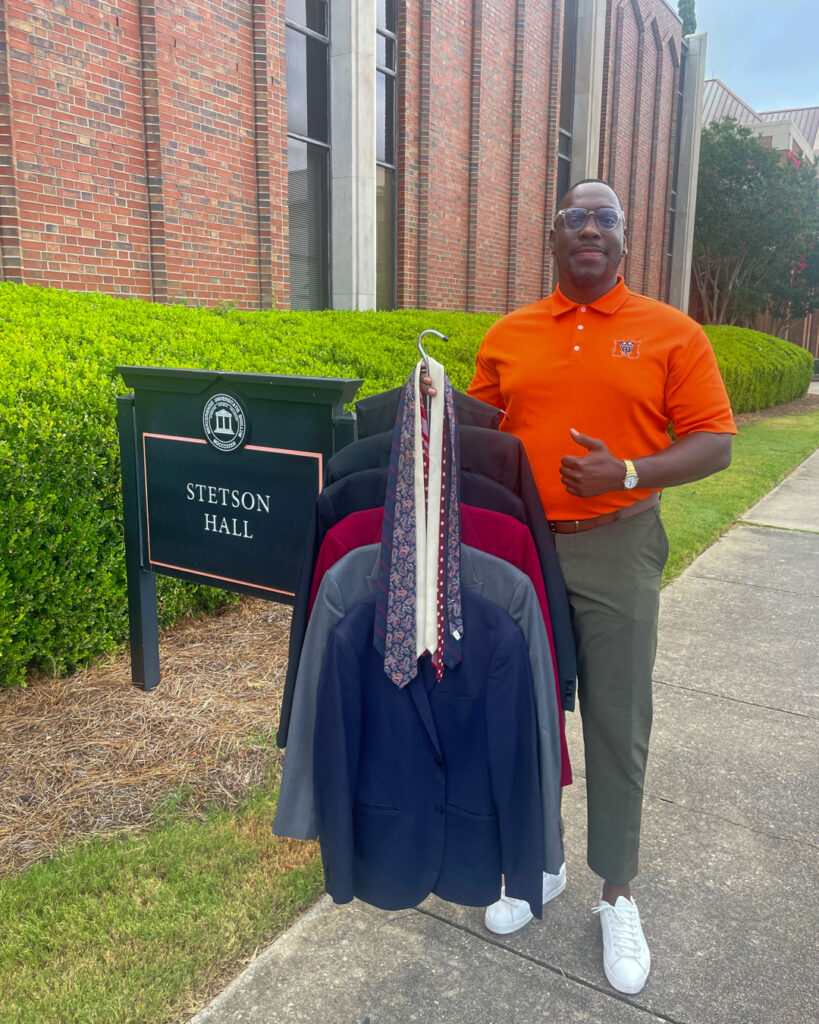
220, 472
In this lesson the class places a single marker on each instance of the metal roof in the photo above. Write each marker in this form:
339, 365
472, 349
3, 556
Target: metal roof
718, 102
806, 120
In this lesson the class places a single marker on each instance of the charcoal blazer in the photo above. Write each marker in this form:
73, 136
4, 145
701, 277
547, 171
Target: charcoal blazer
351, 580
433, 787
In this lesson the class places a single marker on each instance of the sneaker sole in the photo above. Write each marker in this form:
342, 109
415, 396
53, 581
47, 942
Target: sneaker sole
620, 988
517, 927
508, 930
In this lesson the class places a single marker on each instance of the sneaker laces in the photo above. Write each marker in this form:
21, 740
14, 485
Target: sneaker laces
512, 901
624, 929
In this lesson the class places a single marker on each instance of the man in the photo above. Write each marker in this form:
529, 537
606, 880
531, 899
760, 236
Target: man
590, 379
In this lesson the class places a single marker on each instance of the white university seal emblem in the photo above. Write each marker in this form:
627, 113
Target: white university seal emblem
225, 423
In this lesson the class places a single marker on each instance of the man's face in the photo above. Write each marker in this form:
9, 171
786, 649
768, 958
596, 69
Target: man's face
588, 257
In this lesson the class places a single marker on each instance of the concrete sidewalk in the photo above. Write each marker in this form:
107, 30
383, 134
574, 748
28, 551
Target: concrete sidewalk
727, 890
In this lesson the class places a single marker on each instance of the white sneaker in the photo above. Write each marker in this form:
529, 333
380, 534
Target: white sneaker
626, 959
507, 915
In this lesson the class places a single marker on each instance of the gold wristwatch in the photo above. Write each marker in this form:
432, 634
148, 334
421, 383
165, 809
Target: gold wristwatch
631, 479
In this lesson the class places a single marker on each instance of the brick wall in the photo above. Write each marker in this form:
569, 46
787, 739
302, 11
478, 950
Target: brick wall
477, 151
75, 150
143, 149
640, 79
478, 138
143, 146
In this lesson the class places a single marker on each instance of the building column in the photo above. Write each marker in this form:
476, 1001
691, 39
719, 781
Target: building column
151, 126
690, 128
260, 14
588, 89
11, 249
352, 157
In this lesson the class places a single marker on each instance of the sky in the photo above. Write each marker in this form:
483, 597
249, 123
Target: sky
764, 51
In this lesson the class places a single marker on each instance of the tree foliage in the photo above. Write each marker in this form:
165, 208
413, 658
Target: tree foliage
756, 234
685, 9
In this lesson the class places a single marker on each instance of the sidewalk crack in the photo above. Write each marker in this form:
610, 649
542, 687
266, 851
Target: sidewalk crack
729, 821
771, 526
488, 938
747, 583
735, 700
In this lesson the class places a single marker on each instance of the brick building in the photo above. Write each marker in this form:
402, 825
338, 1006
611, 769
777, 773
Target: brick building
345, 153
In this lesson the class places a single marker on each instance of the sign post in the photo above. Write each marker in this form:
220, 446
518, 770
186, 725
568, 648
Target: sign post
219, 475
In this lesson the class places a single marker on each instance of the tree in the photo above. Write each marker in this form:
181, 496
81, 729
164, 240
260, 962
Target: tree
685, 9
756, 229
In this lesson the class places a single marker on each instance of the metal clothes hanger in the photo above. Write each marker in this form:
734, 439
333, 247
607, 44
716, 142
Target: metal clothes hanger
437, 334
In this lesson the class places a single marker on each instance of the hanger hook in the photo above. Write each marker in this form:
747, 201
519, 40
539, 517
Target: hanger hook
437, 334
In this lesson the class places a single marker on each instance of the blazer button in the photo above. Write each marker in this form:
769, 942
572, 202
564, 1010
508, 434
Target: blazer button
439, 809
438, 761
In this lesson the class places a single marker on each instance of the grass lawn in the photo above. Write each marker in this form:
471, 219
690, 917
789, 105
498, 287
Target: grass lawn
147, 927
696, 514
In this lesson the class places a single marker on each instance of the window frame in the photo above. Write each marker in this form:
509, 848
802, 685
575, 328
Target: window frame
325, 40
389, 72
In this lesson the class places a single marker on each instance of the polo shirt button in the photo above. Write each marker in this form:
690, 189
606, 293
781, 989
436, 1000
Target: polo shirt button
580, 327
582, 309
577, 348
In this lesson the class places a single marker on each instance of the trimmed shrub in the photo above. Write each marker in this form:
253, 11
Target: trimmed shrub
758, 369
62, 572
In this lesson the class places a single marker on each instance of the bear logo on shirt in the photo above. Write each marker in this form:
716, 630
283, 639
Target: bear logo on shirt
626, 349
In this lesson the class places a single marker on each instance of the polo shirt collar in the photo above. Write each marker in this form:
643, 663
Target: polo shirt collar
608, 303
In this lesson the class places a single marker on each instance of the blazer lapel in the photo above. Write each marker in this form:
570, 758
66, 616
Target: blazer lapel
418, 691
470, 579
372, 575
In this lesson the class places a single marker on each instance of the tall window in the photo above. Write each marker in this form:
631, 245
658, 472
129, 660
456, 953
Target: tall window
385, 155
308, 152
672, 220
564, 145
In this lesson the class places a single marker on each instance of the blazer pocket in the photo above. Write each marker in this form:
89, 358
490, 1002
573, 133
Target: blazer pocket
363, 808
472, 815
474, 840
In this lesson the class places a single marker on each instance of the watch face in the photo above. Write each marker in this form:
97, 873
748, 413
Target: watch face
631, 481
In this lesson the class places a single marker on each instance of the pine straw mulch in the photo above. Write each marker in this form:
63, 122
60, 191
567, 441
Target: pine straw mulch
808, 403
91, 753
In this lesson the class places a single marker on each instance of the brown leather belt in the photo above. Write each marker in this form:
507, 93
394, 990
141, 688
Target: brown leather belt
581, 525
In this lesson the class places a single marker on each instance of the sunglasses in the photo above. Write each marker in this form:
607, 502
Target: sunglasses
575, 218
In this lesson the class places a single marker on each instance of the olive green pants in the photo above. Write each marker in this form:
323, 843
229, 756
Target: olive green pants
613, 577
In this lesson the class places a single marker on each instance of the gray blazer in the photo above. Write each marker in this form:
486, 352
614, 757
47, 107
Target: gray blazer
352, 579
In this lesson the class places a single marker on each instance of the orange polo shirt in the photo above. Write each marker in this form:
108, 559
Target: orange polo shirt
620, 369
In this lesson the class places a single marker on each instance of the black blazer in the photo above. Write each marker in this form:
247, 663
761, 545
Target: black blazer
362, 490
378, 412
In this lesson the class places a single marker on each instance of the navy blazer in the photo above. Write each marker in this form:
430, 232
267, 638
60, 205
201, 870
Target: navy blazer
433, 787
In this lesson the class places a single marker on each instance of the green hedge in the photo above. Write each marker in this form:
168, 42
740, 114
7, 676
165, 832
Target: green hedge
758, 369
62, 577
